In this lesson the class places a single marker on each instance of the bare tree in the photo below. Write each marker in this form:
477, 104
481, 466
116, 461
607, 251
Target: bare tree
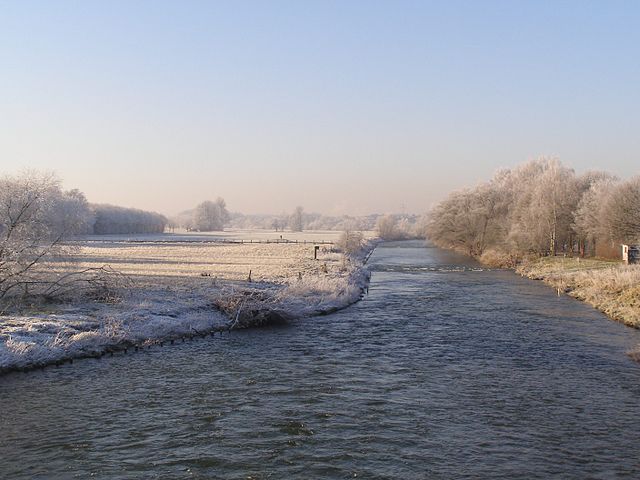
36, 216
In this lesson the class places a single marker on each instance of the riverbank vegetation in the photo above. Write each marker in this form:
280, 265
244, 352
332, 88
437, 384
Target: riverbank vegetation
36, 219
552, 225
607, 285
540, 208
610, 287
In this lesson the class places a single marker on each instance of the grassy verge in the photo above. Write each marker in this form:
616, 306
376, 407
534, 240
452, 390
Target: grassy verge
609, 286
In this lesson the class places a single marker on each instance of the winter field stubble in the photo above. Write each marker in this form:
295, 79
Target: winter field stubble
161, 262
175, 288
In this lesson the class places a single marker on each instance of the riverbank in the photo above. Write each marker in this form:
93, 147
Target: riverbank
178, 291
611, 287
607, 285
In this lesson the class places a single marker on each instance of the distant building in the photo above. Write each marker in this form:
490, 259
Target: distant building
630, 254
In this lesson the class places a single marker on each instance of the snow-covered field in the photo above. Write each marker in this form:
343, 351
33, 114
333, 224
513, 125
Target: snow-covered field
176, 289
228, 261
181, 235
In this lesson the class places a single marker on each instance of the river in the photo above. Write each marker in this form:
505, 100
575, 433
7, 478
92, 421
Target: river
444, 370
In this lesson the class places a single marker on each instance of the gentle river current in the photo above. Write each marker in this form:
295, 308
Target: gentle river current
443, 371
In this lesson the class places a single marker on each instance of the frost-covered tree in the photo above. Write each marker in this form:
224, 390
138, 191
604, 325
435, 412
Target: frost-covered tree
74, 209
591, 220
623, 211
173, 223
387, 227
296, 221
540, 207
542, 214
421, 226
310, 221
469, 220
36, 217
110, 219
350, 241
211, 216
184, 220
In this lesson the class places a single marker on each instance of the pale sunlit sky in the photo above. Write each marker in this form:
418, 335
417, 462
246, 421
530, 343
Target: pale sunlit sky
341, 107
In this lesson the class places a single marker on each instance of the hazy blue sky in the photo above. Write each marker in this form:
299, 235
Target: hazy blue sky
337, 106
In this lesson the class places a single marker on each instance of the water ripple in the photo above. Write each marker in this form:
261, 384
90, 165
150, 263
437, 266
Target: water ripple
445, 370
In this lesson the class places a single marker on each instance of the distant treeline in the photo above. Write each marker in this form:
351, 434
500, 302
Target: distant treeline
389, 226
38, 197
301, 220
539, 208
71, 209
109, 219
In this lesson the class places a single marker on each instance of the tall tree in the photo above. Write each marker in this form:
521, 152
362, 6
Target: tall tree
36, 216
211, 216
296, 221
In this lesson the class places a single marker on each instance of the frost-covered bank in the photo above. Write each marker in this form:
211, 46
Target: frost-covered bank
607, 285
183, 291
250, 305
53, 333
610, 287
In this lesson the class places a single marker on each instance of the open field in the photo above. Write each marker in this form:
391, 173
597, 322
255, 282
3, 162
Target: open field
163, 260
245, 235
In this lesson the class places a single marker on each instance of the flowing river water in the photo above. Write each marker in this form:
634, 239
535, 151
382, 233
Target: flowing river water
444, 370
